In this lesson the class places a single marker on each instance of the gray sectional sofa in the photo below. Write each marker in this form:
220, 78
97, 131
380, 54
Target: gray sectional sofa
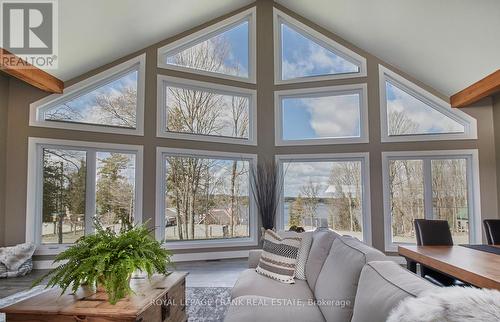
346, 280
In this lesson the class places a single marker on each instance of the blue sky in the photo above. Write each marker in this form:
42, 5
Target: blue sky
302, 57
321, 117
428, 119
236, 62
84, 107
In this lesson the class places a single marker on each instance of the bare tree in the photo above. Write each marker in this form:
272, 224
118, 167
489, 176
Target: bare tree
346, 178
202, 112
400, 124
239, 109
117, 108
310, 193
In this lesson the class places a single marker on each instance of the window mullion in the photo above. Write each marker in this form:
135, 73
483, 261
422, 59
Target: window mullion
428, 213
90, 191
473, 223
39, 201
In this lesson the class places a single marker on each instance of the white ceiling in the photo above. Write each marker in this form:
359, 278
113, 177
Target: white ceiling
447, 44
96, 32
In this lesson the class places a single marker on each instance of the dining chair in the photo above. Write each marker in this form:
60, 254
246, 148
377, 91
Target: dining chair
492, 230
434, 233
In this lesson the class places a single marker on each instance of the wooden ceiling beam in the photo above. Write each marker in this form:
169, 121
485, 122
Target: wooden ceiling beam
19, 68
485, 87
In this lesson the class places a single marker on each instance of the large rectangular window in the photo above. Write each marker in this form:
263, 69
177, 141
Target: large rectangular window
204, 197
431, 185
325, 115
70, 182
203, 111
326, 191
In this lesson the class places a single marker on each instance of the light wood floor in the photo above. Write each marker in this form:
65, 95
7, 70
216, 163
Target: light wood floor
220, 273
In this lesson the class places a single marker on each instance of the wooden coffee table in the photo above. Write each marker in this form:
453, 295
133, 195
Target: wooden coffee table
161, 299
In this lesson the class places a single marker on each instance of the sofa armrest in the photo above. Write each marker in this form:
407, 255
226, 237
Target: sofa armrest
254, 257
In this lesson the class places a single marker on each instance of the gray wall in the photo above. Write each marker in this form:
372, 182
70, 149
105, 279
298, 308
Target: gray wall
22, 95
496, 121
4, 99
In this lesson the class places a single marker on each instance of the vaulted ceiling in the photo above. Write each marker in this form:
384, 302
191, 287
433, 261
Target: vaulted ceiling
447, 44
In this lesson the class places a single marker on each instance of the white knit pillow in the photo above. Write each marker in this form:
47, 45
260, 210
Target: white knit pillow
279, 257
305, 247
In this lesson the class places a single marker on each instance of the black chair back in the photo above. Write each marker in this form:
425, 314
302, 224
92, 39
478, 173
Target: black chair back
433, 232
492, 230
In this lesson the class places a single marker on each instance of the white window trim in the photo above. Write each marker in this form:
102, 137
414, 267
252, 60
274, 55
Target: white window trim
161, 152
360, 89
34, 187
138, 63
473, 189
469, 123
162, 115
364, 157
210, 31
317, 37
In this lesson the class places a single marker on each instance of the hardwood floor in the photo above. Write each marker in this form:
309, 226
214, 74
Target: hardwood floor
220, 273
9, 286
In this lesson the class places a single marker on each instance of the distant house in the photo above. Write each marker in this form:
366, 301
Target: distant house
338, 191
221, 216
170, 217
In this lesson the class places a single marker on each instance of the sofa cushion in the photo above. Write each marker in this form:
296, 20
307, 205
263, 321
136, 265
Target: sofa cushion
16, 261
392, 283
338, 280
322, 242
279, 257
303, 254
252, 283
258, 308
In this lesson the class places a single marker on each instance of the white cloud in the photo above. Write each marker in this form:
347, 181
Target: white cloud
334, 116
316, 60
428, 119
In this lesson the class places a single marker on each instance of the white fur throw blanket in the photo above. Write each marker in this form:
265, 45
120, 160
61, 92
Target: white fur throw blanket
13, 257
450, 304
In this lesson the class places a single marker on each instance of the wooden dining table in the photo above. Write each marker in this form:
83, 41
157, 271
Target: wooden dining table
475, 267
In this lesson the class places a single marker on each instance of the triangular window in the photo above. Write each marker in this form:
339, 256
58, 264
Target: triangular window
225, 49
304, 54
112, 99
412, 114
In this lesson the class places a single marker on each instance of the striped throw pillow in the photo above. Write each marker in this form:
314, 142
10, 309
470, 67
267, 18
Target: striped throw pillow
279, 257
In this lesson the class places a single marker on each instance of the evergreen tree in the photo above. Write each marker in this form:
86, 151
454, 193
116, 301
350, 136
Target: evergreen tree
114, 192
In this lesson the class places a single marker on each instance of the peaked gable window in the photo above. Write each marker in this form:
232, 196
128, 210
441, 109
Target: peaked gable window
225, 49
409, 113
303, 54
111, 101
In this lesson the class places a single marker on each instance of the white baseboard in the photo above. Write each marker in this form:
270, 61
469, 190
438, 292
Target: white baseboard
43, 264
186, 257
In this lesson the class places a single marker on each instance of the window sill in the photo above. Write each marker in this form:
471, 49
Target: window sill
213, 243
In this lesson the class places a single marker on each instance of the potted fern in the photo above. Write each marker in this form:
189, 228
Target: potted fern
107, 260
